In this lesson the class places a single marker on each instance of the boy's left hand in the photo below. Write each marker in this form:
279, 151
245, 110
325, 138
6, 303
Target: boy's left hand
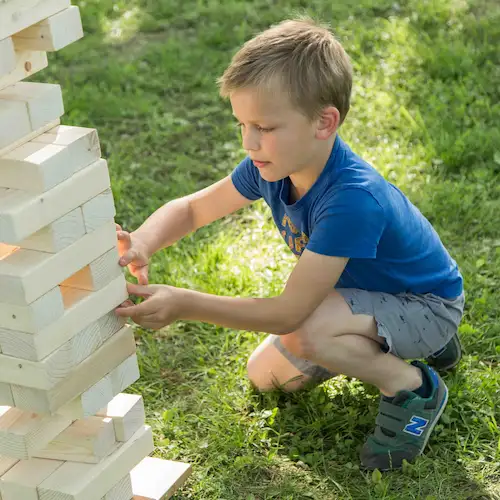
161, 307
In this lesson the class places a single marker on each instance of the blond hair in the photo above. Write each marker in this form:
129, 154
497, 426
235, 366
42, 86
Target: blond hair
304, 57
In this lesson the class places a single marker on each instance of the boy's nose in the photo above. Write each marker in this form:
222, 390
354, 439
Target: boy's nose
250, 140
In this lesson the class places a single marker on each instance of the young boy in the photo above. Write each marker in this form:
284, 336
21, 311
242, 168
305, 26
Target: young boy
373, 285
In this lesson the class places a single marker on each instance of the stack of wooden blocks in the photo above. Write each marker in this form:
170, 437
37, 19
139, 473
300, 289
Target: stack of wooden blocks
67, 431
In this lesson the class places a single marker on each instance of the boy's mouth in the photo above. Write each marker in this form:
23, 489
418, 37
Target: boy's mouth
260, 164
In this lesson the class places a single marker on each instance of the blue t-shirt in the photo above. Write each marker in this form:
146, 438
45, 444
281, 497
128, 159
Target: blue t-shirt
352, 211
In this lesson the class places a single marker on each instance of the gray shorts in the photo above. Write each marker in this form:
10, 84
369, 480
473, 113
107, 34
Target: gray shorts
413, 326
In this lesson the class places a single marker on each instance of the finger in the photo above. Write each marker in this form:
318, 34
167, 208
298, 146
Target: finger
128, 257
123, 236
118, 227
127, 303
142, 275
140, 290
136, 311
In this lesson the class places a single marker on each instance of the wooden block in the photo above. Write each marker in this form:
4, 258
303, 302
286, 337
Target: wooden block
98, 273
125, 374
56, 236
39, 165
43, 100
22, 481
53, 33
6, 463
35, 316
27, 63
22, 213
156, 479
26, 275
127, 412
88, 441
74, 481
23, 433
89, 402
14, 122
121, 491
116, 350
7, 56
6, 397
82, 309
18, 15
98, 210
109, 324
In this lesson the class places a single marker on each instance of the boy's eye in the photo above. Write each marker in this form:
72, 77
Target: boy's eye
263, 129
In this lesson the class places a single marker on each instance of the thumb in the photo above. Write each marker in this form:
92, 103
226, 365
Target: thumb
143, 276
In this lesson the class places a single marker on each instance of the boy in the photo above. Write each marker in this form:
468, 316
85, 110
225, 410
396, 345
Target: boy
373, 285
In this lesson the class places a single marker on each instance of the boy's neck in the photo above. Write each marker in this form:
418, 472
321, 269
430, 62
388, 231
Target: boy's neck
302, 181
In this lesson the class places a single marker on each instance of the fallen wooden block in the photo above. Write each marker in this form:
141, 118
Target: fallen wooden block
98, 210
43, 101
127, 413
27, 63
16, 15
86, 441
74, 481
53, 33
61, 233
22, 213
26, 275
121, 491
23, 480
98, 273
23, 433
35, 316
110, 355
156, 479
41, 164
82, 309
7, 56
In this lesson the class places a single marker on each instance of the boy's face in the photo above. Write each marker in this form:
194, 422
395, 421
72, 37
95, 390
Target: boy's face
279, 139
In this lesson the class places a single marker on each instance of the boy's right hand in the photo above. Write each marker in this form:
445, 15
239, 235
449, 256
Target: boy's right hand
134, 254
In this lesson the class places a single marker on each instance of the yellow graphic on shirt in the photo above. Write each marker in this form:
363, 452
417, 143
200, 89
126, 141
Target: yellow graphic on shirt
296, 241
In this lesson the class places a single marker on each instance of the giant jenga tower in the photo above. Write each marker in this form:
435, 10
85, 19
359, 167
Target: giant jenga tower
67, 431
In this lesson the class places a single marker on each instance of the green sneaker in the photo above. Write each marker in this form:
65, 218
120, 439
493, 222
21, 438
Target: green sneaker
404, 424
448, 357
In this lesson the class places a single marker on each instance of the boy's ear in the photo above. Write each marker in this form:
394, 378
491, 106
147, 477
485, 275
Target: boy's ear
328, 123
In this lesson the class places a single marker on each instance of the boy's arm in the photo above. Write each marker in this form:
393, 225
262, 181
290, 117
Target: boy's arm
312, 279
179, 217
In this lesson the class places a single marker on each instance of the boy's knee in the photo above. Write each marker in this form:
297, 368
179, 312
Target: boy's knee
260, 380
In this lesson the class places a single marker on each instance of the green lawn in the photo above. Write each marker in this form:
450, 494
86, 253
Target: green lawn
426, 113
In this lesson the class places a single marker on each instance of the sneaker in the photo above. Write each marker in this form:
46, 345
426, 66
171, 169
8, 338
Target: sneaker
448, 357
404, 424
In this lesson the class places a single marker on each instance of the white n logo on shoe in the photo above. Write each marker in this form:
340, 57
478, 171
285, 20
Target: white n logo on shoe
416, 426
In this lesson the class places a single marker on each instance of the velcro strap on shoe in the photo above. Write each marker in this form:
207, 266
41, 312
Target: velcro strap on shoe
393, 410
389, 423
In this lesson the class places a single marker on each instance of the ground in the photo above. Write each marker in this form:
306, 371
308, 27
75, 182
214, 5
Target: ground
425, 112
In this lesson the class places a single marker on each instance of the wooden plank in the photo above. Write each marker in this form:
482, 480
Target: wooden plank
87, 441
28, 63
39, 165
125, 374
35, 316
6, 397
14, 122
82, 309
26, 275
98, 273
121, 491
27, 137
21, 482
53, 33
22, 213
6, 463
44, 101
98, 210
7, 56
18, 15
116, 350
109, 324
23, 433
58, 235
127, 412
74, 481
156, 479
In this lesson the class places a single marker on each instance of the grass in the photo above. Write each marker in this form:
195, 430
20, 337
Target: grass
425, 112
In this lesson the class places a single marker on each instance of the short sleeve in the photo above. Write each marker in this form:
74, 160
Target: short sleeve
245, 178
350, 224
